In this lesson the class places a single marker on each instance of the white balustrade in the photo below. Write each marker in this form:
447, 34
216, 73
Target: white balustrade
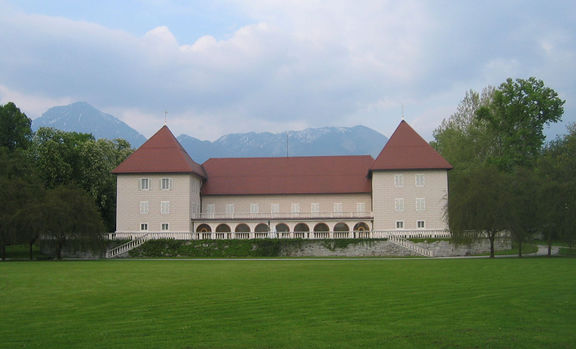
398, 237
251, 215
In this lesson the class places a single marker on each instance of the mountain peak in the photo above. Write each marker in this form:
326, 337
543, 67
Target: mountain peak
83, 117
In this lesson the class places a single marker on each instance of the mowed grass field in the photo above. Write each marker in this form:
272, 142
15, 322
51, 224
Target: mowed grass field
405, 303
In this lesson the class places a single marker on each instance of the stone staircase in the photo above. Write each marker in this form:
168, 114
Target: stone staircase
402, 242
124, 248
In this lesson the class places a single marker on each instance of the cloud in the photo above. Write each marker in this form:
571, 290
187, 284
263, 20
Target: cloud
31, 105
295, 64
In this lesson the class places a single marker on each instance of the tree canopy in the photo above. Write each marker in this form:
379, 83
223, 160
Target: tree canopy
495, 141
55, 184
15, 128
516, 118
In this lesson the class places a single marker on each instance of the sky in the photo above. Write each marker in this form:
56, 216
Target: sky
228, 66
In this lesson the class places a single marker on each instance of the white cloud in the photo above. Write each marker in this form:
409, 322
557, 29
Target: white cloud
32, 105
297, 64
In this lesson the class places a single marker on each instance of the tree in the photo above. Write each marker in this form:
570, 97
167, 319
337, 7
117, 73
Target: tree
500, 132
77, 158
27, 224
18, 186
479, 205
98, 159
463, 139
71, 220
556, 167
525, 214
57, 155
15, 128
517, 115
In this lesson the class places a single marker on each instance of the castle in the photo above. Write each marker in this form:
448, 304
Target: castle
163, 193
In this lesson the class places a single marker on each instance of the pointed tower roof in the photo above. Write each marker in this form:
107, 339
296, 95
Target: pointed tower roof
162, 153
406, 150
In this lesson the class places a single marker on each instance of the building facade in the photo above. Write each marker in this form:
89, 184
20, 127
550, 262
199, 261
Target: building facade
163, 193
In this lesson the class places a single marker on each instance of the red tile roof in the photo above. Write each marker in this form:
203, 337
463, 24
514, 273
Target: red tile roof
291, 175
162, 153
406, 150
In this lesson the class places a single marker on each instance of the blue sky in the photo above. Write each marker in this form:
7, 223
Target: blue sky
220, 67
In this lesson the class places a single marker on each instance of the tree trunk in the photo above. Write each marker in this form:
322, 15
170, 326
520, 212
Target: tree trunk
59, 251
520, 248
3, 250
30, 244
491, 237
549, 245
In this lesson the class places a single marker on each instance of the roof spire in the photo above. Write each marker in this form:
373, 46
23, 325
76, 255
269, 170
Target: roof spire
165, 117
402, 104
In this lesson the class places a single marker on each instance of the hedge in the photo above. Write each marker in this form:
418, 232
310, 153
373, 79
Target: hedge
230, 248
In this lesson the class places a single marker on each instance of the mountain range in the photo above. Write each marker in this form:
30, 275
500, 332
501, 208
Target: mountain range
357, 140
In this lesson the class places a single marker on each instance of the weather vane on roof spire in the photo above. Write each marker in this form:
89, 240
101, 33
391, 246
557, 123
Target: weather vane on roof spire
165, 116
402, 111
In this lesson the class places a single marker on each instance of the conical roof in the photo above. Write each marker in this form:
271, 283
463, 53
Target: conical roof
162, 153
406, 150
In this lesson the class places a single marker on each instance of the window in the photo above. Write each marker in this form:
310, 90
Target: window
420, 224
360, 207
166, 183
275, 208
398, 180
229, 210
144, 184
399, 204
210, 209
144, 207
254, 208
164, 207
338, 207
144, 226
419, 180
295, 208
165, 226
315, 207
194, 209
399, 224
420, 204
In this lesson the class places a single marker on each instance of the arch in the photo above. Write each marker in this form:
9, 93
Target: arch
262, 228
321, 227
242, 228
341, 227
362, 227
301, 227
282, 228
203, 228
223, 228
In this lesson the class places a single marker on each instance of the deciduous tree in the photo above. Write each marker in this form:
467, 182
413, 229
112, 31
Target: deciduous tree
479, 205
18, 186
517, 115
15, 128
557, 169
71, 220
463, 139
69, 157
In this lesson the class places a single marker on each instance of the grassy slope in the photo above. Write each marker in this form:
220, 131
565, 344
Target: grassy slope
289, 304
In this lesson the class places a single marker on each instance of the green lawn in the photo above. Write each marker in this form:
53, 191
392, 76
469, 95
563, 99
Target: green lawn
407, 303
